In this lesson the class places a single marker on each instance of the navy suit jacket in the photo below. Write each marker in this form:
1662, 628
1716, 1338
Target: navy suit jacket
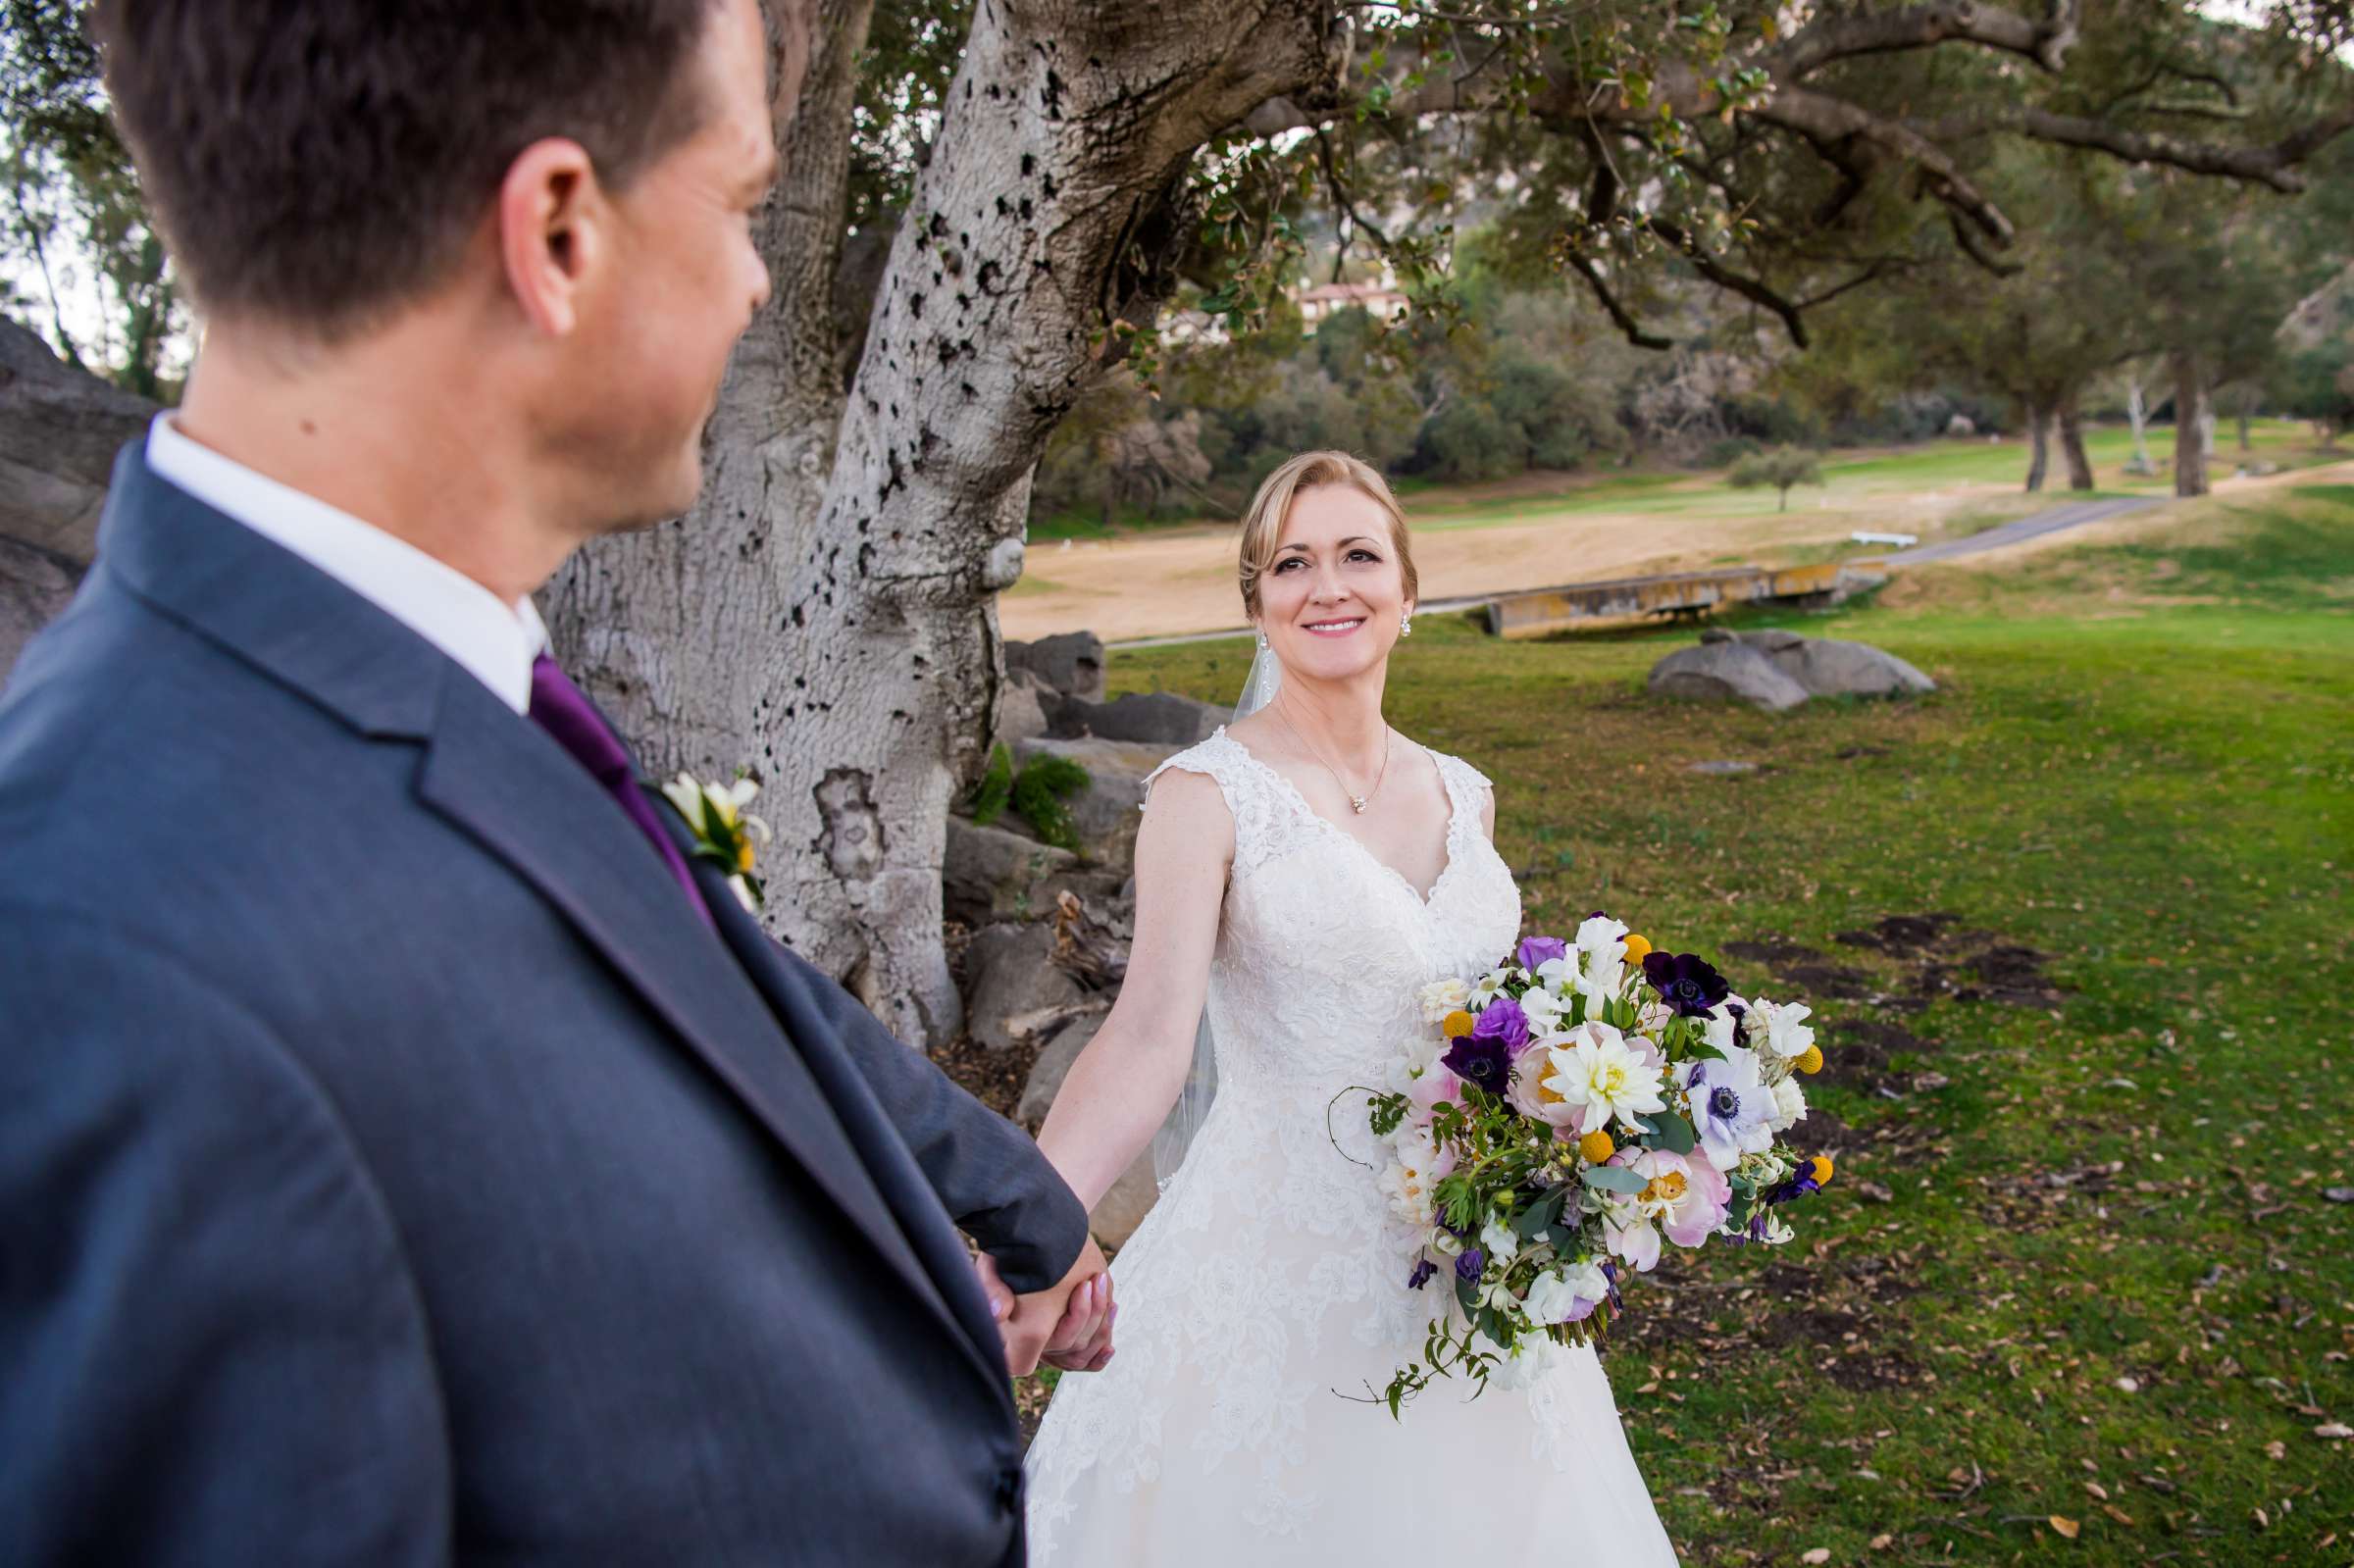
394, 1170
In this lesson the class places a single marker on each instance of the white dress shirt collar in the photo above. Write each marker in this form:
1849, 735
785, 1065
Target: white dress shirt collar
495, 643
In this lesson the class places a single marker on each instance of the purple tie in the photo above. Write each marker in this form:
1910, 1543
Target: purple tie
564, 710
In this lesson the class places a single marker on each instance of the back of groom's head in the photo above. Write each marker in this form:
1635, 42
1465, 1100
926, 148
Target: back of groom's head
519, 227
319, 163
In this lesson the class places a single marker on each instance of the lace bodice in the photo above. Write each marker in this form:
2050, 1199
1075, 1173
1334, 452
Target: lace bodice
1324, 947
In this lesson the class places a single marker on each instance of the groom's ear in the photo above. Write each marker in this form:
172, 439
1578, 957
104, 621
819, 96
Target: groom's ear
550, 216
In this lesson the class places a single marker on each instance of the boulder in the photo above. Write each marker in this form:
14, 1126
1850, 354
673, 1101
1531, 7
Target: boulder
1828, 667
1007, 977
1105, 814
990, 874
1130, 1199
1048, 1071
1153, 718
34, 589
1071, 663
60, 428
1021, 708
1725, 672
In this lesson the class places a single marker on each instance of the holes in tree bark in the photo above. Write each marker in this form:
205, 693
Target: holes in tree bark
852, 840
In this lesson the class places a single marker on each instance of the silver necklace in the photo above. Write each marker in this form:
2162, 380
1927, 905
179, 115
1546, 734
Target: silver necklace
1357, 802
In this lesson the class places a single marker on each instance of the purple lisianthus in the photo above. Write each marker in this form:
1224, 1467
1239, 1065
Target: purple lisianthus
1798, 1183
1685, 981
1535, 950
1423, 1270
1468, 1263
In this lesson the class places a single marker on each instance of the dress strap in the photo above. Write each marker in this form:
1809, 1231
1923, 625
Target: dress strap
1464, 784
1250, 790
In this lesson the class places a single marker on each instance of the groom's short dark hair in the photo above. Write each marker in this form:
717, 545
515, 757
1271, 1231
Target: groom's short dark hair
320, 160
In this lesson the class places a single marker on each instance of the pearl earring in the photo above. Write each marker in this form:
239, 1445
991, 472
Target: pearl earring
1263, 642
1406, 626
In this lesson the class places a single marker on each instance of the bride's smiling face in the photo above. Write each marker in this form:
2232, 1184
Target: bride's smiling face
1331, 600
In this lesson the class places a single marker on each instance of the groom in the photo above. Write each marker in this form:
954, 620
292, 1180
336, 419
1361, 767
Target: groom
407, 1155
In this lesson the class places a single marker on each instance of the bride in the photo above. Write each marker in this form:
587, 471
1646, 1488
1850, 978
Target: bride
1303, 873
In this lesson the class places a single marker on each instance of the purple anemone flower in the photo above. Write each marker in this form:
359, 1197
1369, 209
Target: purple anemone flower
1535, 950
1483, 1058
1423, 1270
1685, 981
1468, 1263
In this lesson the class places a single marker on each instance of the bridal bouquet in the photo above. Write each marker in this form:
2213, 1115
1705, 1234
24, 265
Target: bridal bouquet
1572, 1107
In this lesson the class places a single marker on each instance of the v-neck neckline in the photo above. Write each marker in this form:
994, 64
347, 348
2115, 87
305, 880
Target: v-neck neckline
1300, 798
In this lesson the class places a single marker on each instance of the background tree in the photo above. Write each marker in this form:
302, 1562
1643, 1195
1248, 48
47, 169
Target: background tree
73, 200
1781, 468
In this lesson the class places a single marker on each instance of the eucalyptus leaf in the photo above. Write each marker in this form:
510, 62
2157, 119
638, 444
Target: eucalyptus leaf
1613, 1178
1675, 1133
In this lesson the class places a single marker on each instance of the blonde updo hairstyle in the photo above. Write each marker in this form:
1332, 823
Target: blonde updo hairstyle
1262, 524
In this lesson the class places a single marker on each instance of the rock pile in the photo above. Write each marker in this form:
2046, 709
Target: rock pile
1777, 671
1051, 925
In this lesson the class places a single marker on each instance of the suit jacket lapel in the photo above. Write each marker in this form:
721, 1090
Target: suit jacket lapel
904, 1184
516, 792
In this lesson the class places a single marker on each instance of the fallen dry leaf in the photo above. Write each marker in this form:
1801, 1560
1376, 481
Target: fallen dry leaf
1818, 1554
2064, 1526
2276, 1449
2333, 1430
1882, 1543
2097, 1490
2121, 1516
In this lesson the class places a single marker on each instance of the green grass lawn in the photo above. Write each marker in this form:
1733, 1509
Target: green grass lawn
2079, 1292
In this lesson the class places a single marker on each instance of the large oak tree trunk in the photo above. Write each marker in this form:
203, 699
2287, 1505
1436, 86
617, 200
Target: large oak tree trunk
827, 615
2072, 446
2191, 423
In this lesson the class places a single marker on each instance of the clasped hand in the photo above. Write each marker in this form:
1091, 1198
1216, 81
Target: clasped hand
1067, 1325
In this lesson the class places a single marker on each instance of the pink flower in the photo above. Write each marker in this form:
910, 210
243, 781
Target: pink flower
1686, 1197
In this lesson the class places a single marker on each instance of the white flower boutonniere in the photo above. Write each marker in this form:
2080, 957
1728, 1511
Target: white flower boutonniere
724, 831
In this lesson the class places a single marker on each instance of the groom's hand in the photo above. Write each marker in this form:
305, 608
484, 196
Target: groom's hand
1068, 1324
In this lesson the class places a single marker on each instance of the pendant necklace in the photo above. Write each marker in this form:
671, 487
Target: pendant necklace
1357, 802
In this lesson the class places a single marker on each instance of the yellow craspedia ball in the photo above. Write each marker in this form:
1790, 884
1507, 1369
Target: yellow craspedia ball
1457, 1024
1822, 1170
1636, 947
1812, 1061
1597, 1147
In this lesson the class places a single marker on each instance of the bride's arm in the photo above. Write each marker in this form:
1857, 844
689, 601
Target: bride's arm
1123, 1084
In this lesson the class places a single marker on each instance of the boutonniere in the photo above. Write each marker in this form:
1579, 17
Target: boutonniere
724, 831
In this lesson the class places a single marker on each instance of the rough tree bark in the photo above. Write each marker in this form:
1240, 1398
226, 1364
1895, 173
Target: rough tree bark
827, 615
2072, 445
2190, 420
2039, 444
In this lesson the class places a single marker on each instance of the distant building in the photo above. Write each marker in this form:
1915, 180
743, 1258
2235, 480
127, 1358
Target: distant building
1385, 301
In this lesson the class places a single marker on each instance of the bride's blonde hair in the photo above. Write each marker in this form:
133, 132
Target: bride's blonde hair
1262, 524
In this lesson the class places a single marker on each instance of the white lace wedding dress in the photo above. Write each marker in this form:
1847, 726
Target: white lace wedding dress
1264, 1301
